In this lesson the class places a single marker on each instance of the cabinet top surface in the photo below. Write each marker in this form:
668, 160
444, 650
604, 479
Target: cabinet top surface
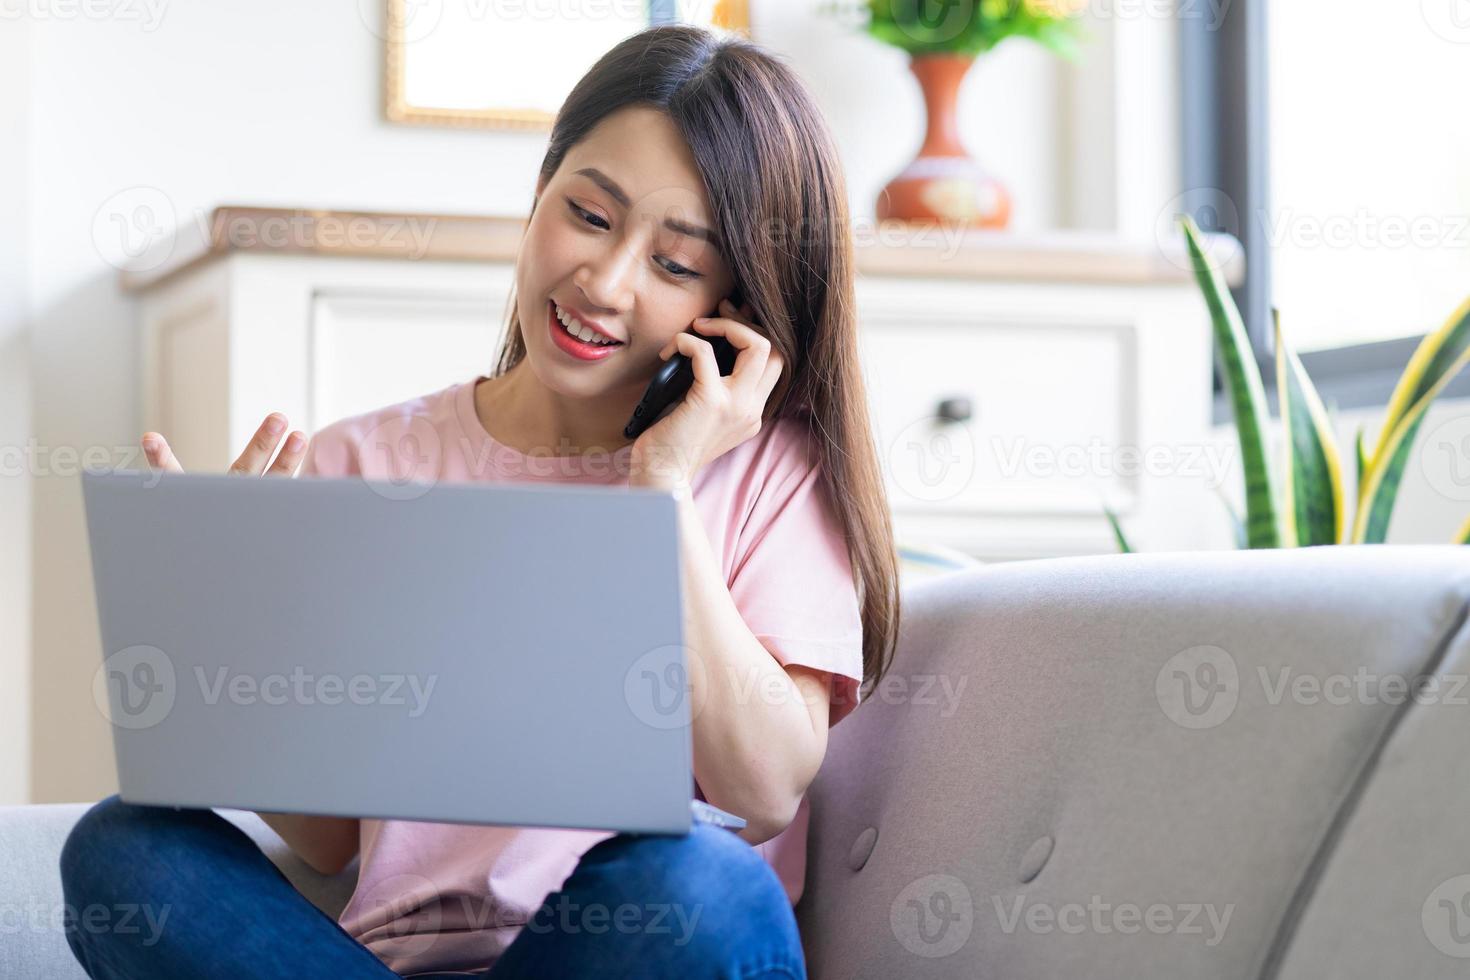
887, 249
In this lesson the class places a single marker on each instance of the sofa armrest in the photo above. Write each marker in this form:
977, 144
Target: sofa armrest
1143, 765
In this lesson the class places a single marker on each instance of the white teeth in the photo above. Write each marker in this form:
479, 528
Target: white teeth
575, 328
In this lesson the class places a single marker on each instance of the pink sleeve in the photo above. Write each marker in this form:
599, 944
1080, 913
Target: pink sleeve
793, 582
329, 454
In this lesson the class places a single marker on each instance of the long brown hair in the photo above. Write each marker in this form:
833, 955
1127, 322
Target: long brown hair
773, 178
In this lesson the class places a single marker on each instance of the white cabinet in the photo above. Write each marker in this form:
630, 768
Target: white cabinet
316, 337
1076, 394
1012, 390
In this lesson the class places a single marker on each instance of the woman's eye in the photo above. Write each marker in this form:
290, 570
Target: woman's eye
675, 269
588, 217
597, 221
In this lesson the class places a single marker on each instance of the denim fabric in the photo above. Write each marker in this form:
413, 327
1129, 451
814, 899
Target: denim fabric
211, 904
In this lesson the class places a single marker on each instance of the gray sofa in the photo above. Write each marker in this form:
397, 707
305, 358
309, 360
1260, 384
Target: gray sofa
1164, 765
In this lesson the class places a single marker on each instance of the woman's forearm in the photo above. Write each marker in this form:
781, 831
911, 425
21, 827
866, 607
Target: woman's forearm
760, 730
327, 844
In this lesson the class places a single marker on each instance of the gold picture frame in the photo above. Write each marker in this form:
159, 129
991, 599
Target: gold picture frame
399, 32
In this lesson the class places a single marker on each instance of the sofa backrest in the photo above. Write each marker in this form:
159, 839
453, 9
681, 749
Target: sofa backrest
1171, 765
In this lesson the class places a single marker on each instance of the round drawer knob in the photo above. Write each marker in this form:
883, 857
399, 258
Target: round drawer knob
956, 409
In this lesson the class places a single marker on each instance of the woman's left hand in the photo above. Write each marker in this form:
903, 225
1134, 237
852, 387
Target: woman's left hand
718, 413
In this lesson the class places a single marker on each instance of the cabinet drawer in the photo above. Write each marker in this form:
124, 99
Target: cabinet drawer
371, 349
1049, 403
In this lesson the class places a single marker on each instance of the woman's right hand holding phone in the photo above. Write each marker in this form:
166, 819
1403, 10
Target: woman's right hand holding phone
252, 462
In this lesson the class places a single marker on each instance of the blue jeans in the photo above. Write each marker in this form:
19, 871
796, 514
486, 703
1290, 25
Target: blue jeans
204, 901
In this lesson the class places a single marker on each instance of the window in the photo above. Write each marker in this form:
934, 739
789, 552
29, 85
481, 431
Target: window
1369, 218
1330, 139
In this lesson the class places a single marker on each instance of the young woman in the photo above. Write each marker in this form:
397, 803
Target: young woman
683, 169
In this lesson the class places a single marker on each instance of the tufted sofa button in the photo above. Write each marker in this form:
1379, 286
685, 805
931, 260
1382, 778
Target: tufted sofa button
1035, 858
862, 848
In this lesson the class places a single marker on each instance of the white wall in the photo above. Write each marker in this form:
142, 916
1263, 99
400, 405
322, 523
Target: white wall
15, 415
277, 103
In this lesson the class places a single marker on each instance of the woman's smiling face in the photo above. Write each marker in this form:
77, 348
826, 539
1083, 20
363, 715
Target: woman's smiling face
618, 238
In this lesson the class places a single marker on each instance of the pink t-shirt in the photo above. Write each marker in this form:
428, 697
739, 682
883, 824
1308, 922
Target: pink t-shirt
434, 897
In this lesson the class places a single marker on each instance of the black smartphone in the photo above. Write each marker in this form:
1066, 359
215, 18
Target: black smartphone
674, 378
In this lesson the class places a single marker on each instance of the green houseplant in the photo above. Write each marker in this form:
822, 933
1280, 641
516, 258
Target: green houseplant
943, 38
1300, 498
972, 27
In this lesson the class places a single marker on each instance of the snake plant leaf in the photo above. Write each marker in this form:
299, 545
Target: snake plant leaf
1312, 510
1439, 357
1361, 455
1380, 490
1247, 395
1462, 536
1123, 546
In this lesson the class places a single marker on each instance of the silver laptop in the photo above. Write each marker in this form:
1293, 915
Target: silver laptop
469, 653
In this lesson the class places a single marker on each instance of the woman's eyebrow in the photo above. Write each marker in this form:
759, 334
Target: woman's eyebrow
618, 194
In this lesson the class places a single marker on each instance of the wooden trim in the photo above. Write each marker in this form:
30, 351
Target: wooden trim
359, 234
1058, 256
890, 249
396, 107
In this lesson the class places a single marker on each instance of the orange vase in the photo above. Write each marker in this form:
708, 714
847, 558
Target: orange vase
944, 183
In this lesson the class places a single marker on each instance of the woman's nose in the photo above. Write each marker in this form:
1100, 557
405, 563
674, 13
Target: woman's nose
607, 281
